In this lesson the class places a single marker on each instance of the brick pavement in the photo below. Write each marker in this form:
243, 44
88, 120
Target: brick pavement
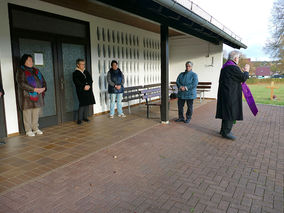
170, 168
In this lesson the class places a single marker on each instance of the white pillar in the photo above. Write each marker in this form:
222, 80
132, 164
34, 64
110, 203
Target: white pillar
7, 70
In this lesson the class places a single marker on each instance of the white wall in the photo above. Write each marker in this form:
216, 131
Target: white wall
7, 70
200, 52
138, 71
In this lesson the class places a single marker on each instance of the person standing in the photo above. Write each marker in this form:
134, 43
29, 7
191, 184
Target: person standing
187, 83
31, 88
229, 101
83, 83
115, 79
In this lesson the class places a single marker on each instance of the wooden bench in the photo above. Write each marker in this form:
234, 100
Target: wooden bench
148, 94
203, 87
133, 93
130, 94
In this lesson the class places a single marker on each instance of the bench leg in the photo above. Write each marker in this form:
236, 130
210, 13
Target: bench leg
148, 109
129, 111
200, 97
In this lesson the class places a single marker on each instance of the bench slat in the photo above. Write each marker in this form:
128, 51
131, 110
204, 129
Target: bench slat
131, 99
203, 87
204, 83
150, 90
151, 95
131, 93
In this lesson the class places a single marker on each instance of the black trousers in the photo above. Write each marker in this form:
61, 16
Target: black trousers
83, 112
189, 111
226, 127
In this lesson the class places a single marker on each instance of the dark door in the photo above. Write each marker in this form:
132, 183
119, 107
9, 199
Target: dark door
59, 62
3, 132
59, 41
69, 53
32, 45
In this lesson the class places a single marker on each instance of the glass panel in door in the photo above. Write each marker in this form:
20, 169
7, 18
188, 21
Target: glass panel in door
31, 46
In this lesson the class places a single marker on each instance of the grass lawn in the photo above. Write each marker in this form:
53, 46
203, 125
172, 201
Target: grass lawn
261, 94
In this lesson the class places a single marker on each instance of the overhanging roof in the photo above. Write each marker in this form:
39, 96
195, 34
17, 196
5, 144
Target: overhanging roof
148, 14
176, 16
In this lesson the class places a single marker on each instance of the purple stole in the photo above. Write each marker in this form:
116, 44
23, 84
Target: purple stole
246, 92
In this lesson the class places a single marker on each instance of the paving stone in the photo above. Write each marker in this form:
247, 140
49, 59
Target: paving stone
164, 168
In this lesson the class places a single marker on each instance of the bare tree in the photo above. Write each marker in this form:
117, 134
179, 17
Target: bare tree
275, 45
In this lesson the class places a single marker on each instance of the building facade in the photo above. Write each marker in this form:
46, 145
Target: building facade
60, 35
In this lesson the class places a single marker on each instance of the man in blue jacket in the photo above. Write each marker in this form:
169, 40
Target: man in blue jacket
186, 82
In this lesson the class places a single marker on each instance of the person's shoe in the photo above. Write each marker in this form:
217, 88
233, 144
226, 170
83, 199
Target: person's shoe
122, 115
187, 121
38, 132
222, 133
86, 120
179, 120
229, 136
79, 122
30, 134
111, 116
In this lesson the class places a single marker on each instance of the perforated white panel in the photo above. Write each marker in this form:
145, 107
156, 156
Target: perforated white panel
138, 58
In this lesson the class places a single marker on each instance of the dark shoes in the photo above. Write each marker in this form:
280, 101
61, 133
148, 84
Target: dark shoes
179, 120
229, 136
182, 120
85, 119
187, 121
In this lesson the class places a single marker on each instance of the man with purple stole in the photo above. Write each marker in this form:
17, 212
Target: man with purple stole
229, 102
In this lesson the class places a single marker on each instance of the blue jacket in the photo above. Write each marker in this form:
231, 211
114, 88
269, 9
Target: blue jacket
188, 79
115, 77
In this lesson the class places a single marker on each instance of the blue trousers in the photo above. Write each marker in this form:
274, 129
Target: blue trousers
189, 111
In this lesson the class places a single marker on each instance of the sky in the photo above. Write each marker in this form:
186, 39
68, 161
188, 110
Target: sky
249, 19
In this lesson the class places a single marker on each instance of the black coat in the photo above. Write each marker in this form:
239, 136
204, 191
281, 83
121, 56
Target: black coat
229, 102
81, 80
1, 89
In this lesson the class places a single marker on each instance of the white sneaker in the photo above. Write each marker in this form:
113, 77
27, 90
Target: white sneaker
38, 132
30, 134
122, 115
111, 116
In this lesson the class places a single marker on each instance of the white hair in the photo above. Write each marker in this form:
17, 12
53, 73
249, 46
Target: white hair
189, 62
234, 54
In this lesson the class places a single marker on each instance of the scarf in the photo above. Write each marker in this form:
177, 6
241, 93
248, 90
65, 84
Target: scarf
246, 91
30, 73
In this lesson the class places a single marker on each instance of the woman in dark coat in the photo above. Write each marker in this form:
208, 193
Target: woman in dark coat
229, 103
83, 83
